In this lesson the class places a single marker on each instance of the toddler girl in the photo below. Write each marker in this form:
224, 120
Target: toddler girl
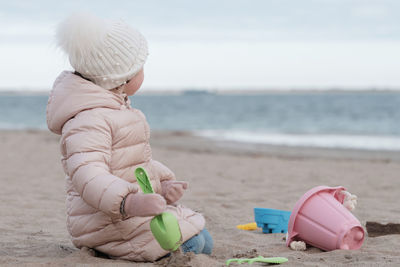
103, 141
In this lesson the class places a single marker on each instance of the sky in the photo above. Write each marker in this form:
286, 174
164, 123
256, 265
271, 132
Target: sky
220, 44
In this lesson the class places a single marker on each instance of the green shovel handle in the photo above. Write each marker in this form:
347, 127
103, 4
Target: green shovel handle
143, 180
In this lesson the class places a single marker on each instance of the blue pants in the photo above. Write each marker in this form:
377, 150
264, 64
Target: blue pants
200, 243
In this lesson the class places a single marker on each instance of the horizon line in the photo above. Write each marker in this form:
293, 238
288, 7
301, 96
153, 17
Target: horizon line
198, 90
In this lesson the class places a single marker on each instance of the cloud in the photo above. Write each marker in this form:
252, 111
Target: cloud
222, 43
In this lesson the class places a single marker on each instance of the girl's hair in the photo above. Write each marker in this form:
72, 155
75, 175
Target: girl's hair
113, 89
80, 75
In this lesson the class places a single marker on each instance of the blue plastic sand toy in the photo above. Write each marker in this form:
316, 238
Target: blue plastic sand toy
271, 220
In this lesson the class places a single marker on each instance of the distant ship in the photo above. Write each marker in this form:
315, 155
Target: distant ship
197, 92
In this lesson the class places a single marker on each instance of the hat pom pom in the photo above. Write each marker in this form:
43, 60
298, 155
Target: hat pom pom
79, 33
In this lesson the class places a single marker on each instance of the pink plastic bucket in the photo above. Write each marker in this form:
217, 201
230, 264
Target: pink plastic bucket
320, 220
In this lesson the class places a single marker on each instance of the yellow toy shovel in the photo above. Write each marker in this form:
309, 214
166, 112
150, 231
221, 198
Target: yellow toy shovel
164, 226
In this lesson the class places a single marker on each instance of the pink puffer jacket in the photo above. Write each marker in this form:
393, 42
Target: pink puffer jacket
103, 141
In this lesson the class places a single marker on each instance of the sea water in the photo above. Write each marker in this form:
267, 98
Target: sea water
362, 120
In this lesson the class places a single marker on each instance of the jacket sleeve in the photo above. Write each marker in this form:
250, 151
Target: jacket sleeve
161, 171
87, 147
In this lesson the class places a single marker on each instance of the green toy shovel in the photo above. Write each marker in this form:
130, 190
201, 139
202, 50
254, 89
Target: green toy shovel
273, 260
164, 226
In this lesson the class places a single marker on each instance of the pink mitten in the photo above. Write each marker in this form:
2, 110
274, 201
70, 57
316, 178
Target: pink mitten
172, 191
140, 204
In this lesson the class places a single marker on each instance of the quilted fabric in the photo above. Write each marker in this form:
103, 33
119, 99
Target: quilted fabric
103, 140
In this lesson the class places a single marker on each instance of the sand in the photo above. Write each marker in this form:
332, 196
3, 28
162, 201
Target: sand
227, 181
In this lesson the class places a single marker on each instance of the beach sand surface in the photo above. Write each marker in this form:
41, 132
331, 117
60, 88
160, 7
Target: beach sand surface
226, 181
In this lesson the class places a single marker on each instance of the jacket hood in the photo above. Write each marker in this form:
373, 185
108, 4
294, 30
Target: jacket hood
72, 94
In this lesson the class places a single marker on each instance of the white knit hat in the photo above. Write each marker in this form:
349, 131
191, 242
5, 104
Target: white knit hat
108, 53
